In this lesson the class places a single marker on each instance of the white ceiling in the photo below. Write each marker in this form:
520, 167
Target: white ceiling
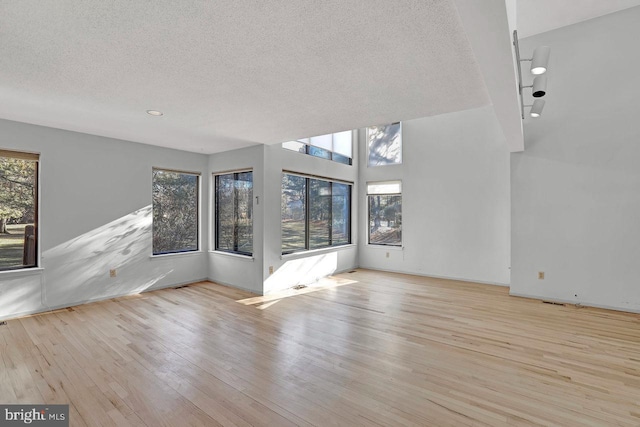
228, 74
539, 16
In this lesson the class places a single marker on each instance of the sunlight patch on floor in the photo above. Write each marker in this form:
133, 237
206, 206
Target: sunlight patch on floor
266, 301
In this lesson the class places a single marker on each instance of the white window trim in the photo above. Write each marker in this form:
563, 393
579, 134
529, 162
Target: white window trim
199, 242
26, 271
307, 253
38, 269
176, 254
233, 255
212, 212
399, 247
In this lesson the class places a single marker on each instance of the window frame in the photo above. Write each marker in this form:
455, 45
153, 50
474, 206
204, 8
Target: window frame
216, 175
307, 209
368, 146
368, 195
198, 176
331, 155
34, 157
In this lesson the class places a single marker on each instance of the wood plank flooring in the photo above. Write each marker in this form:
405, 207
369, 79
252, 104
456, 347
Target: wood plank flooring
370, 348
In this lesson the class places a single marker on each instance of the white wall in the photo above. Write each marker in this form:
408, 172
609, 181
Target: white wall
455, 200
576, 187
95, 215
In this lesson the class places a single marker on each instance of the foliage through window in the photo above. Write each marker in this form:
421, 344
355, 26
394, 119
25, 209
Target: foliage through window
316, 213
18, 209
175, 211
333, 146
385, 144
234, 212
385, 213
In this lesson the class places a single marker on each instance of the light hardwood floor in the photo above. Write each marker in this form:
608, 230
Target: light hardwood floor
370, 349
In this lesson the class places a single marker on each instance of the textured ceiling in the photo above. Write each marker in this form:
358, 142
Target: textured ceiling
538, 16
228, 74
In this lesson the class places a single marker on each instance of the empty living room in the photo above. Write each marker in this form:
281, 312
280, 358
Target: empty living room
319, 213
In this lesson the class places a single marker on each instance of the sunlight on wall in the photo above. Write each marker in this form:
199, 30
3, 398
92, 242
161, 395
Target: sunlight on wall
78, 270
302, 271
19, 295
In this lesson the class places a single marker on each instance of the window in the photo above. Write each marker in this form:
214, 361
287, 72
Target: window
316, 213
385, 213
175, 211
294, 213
333, 146
234, 212
18, 209
385, 144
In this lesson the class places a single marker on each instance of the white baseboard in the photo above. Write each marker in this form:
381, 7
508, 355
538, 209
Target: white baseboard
459, 279
47, 309
581, 303
242, 288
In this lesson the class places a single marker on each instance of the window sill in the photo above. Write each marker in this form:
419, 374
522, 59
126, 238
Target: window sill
176, 255
386, 247
21, 272
311, 252
232, 255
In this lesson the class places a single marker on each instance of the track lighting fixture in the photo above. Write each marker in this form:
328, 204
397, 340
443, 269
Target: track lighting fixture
540, 60
536, 108
539, 63
539, 87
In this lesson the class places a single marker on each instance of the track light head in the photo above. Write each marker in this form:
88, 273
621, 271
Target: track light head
540, 60
539, 63
539, 86
536, 108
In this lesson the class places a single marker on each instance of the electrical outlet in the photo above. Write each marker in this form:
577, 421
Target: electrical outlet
387, 254
113, 272
541, 275
271, 269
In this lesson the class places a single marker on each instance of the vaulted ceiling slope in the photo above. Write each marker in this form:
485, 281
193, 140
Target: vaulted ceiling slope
539, 16
228, 74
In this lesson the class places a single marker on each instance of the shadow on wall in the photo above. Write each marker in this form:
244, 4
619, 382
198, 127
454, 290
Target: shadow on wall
303, 271
19, 295
78, 271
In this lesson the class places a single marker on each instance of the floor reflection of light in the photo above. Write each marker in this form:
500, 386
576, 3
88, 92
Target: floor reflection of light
267, 305
327, 283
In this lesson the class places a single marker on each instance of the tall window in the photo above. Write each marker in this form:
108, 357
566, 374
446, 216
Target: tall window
175, 211
385, 144
333, 146
294, 213
385, 213
234, 212
316, 213
18, 209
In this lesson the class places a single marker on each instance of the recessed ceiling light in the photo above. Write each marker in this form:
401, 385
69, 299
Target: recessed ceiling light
154, 112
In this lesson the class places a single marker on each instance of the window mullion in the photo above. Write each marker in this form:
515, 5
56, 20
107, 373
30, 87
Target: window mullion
330, 213
235, 213
307, 213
